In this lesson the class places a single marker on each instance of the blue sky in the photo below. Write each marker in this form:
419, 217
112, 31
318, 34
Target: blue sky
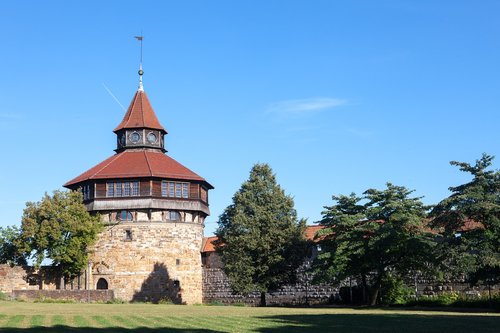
337, 96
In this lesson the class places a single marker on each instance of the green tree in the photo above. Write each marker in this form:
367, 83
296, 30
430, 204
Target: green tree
261, 241
469, 222
375, 237
59, 228
9, 253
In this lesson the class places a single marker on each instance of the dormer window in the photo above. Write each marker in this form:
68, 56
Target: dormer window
135, 137
152, 138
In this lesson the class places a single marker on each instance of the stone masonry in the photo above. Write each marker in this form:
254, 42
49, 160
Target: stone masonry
150, 261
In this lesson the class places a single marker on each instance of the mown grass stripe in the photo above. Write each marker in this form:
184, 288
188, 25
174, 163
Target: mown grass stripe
216, 323
37, 320
123, 322
235, 323
102, 321
58, 320
144, 321
170, 322
105, 325
15, 321
81, 321
3, 317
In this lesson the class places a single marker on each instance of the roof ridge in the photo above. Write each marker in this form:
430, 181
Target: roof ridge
141, 100
147, 162
112, 159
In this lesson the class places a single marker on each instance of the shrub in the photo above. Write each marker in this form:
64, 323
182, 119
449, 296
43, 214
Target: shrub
457, 300
116, 301
165, 300
394, 291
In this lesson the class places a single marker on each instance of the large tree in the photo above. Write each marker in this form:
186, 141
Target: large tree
59, 228
469, 222
9, 253
261, 241
373, 237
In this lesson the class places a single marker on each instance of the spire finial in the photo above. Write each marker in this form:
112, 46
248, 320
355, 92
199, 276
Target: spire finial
141, 72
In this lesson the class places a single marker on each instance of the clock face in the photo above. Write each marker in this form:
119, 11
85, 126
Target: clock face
135, 137
152, 137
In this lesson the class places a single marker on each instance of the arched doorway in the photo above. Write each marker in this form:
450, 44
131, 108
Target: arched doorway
102, 284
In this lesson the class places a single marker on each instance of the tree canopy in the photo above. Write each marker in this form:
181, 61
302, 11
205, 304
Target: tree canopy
469, 221
58, 228
261, 241
373, 237
9, 253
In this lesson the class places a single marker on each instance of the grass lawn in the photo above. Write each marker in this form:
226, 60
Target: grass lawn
149, 318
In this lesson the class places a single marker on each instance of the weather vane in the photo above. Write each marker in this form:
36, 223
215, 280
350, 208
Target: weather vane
141, 72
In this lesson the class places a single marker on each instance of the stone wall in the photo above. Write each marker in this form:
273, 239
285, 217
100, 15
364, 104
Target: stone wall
149, 261
73, 295
216, 288
27, 278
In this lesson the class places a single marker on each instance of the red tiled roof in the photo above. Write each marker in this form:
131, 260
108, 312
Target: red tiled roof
134, 164
140, 114
311, 231
208, 246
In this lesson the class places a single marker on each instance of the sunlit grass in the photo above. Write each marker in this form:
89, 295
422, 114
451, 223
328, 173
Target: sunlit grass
18, 317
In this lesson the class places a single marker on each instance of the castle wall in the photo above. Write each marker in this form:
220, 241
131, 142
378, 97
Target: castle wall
216, 288
27, 278
149, 261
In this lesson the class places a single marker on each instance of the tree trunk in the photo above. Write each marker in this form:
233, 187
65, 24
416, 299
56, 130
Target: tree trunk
374, 291
262, 299
365, 287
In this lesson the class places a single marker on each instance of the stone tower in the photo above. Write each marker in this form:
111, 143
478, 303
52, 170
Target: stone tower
154, 210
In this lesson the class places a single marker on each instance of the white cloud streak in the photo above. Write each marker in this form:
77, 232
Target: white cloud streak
305, 105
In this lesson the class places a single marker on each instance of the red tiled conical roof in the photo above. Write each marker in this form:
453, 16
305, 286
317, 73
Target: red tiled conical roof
140, 114
138, 163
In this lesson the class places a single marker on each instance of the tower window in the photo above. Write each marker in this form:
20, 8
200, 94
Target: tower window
118, 189
124, 215
174, 215
111, 190
174, 189
126, 190
122, 189
178, 190
171, 189
128, 235
135, 188
164, 188
86, 192
177, 262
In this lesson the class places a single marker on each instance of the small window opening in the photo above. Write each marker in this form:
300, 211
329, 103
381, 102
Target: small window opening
33, 280
174, 215
128, 235
177, 262
124, 215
